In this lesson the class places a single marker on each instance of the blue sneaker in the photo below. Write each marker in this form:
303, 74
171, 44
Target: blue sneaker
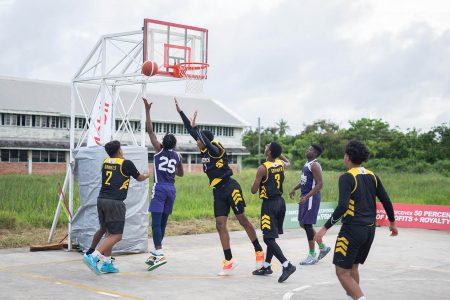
91, 262
108, 268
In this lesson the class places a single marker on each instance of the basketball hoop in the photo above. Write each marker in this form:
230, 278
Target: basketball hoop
194, 73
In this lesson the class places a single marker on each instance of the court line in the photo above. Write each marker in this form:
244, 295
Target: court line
75, 285
288, 295
7, 268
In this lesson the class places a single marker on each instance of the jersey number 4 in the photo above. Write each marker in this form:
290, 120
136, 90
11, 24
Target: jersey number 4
167, 165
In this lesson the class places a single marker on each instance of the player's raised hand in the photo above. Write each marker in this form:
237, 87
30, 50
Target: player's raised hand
193, 119
146, 104
177, 105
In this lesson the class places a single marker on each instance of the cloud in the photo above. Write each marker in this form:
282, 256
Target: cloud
296, 60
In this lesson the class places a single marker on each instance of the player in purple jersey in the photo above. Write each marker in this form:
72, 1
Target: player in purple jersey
167, 164
310, 184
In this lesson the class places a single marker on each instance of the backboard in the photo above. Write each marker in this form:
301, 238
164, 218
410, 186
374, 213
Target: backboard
169, 44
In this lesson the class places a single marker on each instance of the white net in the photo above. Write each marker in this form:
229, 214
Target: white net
194, 75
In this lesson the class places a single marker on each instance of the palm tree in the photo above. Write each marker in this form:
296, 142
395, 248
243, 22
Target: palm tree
283, 127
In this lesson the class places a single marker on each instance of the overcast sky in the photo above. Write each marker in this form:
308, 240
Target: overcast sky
297, 60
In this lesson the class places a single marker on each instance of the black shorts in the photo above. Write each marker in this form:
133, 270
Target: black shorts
272, 217
228, 195
111, 215
353, 245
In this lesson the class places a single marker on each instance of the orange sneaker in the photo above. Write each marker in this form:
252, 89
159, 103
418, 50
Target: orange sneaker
259, 259
228, 266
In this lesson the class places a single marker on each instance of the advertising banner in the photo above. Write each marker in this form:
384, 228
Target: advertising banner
417, 216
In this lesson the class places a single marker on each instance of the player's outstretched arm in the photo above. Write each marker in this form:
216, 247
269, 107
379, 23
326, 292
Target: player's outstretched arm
186, 122
260, 174
153, 139
143, 176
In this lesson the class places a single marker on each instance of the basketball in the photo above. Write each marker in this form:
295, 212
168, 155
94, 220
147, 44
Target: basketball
149, 68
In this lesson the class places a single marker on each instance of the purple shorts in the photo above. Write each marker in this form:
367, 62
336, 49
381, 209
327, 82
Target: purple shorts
163, 198
307, 212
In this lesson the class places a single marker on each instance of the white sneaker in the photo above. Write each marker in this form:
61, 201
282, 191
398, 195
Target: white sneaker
227, 267
309, 260
323, 252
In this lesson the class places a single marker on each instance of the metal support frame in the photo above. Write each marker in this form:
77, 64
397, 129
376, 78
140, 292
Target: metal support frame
112, 64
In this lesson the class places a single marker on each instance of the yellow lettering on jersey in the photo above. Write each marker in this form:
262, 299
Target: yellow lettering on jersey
108, 177
278, 180
125, 184
219, 163
110, 167
277, 170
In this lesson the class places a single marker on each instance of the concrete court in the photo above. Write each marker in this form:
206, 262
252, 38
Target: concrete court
414, 265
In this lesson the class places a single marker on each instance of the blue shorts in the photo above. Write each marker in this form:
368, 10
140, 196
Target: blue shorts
307, 212
163, 198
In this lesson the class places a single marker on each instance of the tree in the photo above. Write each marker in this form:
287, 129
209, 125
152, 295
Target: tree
283, 127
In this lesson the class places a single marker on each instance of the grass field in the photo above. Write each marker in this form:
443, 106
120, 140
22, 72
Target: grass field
30, 200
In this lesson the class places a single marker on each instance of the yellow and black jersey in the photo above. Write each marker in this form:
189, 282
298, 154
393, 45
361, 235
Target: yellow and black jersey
358, 190
272, 184
116, 174
216, 167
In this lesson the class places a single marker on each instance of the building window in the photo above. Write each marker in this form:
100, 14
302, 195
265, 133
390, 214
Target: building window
10, 119
61, 156
44, 121
196, 159
13, 155
232, 159
64, 122
28, 120
49, 156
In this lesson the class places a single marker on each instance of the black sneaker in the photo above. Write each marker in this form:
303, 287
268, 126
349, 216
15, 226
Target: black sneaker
263, 271
287, 272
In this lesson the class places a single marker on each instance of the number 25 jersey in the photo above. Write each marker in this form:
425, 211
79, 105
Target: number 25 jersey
165, 166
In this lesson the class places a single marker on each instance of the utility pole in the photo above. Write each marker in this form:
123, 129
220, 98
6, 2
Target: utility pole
259, 141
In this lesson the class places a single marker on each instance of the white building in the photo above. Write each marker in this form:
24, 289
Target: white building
35, 120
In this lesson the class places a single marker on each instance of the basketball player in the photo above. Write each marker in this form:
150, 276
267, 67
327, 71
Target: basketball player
310, 185
269, 180
116, 172
226, 191
358, 190
167, 164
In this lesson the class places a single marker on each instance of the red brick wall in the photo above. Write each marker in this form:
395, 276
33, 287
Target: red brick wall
13, 168
49, 168
38, 168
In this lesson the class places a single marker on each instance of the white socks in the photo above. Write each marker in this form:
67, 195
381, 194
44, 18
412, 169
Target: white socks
360, 298
107, 259
158, 252
285, 264
266, 264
